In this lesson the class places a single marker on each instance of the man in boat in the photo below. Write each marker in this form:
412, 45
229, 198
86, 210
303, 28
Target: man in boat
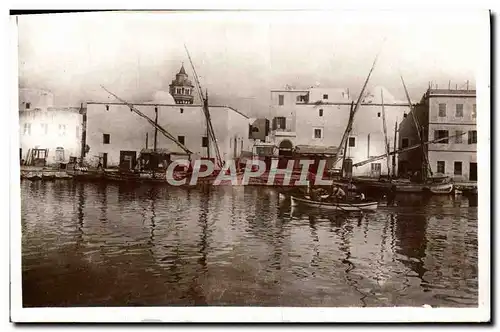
337, 194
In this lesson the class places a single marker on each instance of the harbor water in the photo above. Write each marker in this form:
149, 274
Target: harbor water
91, 244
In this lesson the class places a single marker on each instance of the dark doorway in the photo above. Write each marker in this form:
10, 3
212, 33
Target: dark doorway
286, 148
473, 172
127, 159
104, 160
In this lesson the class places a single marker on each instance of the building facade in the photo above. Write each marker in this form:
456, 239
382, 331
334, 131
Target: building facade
113, 131
318, 118
442, 113
43, 126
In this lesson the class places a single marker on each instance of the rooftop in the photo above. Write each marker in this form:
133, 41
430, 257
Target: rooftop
449, 92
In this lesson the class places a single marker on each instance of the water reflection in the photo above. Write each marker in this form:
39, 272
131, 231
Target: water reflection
152, 245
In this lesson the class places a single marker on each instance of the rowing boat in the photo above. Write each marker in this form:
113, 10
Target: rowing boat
342, 206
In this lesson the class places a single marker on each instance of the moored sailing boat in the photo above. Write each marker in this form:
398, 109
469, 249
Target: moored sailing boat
429, 183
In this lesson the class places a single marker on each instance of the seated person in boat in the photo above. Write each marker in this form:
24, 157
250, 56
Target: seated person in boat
337, 194
360, 196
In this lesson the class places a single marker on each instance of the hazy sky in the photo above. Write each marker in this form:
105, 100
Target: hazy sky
241, 56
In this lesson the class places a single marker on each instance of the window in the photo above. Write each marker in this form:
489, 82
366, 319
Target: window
352, 141
181, 139
472, 139
378, 114
405, 143
281, 100
45, 128
28, 105
178, 90
204, 141
321, 112
441, 134
62, 130
474, 111
318, 133
405, 115
325, 96
442, 110
182, 110
298, 98
27, 129
459, 112
458, 137
105, 138
279, 123
77, 132
107, 107
440, 167
457, 168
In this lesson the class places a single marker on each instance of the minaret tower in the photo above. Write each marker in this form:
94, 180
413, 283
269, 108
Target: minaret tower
181, 88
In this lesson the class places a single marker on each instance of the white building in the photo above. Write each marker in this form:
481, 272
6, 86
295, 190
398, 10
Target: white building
114, 132
319, 116
43, 126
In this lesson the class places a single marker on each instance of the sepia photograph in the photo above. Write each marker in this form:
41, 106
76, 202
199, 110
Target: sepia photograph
278, 166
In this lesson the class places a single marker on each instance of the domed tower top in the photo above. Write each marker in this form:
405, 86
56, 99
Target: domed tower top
181, 88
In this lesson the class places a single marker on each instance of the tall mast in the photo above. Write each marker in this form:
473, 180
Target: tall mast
156, 128
395, 147
206, 111
385, 133
351, 118
205, 105
345, 144
418, 128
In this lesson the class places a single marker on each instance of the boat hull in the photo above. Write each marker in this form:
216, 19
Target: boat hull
365, 206
433, 188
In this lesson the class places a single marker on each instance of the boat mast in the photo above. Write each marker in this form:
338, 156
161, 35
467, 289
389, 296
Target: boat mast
395, 147
205, 105
345, 144
206, 111
156, 128
385, 134
351, 118
418, 128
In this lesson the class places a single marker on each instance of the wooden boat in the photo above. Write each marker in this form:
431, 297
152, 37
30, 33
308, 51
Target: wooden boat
33, 176
335, 206
406, 186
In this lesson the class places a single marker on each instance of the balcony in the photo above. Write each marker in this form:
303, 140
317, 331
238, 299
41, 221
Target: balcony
284, 132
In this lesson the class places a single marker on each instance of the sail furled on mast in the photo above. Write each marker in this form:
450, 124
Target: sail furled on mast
387, 147
418, 128
353, 113
206, 112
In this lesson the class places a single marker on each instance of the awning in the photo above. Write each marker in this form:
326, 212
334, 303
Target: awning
316, 150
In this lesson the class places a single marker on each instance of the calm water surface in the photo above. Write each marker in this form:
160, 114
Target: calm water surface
99, 244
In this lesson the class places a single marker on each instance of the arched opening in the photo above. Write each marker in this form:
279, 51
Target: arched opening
285, 148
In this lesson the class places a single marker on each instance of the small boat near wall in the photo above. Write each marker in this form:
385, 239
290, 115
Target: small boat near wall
335, 206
